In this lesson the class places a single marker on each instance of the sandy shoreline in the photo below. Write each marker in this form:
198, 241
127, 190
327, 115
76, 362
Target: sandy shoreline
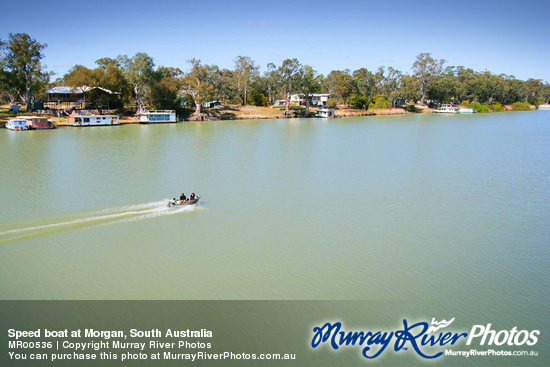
223, 113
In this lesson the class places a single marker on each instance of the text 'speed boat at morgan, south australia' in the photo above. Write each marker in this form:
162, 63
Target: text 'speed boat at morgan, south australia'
183, 202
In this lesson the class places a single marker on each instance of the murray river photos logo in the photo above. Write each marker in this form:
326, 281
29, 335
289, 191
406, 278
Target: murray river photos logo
424, 339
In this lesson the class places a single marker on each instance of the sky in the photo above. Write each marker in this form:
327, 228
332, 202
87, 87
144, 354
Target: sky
503, 37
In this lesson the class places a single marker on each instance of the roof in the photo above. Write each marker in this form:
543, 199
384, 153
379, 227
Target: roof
76, 90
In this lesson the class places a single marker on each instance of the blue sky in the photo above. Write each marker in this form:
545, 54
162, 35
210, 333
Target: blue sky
508, 37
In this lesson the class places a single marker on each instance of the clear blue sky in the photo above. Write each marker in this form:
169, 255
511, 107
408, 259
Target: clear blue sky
509, 37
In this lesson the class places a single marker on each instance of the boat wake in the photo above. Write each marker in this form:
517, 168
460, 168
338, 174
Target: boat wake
129, 213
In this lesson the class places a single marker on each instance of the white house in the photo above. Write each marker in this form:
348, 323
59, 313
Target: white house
316, 99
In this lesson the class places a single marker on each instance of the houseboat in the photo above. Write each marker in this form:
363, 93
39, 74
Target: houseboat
325, 112
157, 117
94, 120
38, 123
544, 107
17, 124
466, 110
447, 108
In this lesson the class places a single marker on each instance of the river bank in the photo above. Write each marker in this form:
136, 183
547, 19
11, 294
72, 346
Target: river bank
235, 112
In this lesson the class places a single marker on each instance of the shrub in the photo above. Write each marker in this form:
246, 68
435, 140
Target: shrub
412, 108
379, 102
479, 107
521, 106
465, 104
359, 101
332, 102
496, 107
257, 99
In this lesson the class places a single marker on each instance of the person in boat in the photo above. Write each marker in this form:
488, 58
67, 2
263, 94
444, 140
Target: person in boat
182, 197
192, 197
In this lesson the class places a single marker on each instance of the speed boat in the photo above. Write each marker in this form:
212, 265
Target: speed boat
176, 202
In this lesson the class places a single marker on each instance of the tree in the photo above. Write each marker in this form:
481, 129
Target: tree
22, 71
271, 76
79, 75
245, 71
139, 72
426, 69
112, 77
286, 76
531, 89
409, 88
198, 83
165, 88
391, 85
365, 82
307, 83
340, 84
224, 88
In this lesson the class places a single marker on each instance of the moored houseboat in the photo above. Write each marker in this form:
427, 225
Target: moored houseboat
38, 123
157, 117
94, 120
447, 108
17, 124
325, 112
544, 107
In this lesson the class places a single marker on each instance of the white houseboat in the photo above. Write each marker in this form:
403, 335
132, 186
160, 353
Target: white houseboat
325, 112
544, 107
17, 124
447, 108
94, 120
157, 117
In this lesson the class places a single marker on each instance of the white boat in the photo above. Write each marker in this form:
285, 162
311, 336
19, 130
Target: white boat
447, 108
466, 110
157, 116
544, 107
325, 112
94, 120
17, 124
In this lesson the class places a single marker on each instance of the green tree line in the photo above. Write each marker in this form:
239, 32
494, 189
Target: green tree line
23, 79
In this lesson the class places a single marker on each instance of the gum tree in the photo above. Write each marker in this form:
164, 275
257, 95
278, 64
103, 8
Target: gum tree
139, 71
22, 70
245, 72
308, 82
426, 69
199, 83
287, 75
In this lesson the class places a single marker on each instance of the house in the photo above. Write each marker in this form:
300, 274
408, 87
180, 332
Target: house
319, 99
316, 99
69, 98
210, 104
